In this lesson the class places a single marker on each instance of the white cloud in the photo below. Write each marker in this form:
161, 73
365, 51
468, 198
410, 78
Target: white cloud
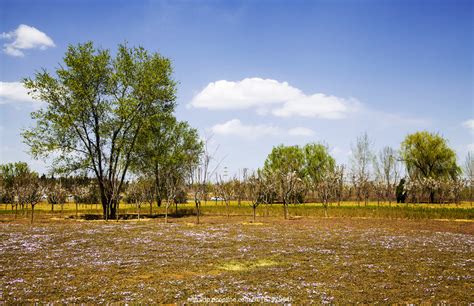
300, 131
235, 127
266, 95
470, 147
469, 124
25, 37
250, 92
317, 105
14, 92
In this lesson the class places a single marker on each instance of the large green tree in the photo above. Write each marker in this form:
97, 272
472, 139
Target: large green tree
285, 159
428, 156
97, 105
318, 162
167, 151
286, 165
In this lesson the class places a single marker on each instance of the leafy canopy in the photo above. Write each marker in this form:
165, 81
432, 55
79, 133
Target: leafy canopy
312, 161
427, 155
97, 105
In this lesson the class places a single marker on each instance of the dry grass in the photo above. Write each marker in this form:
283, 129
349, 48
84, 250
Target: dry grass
233, 260
345, 209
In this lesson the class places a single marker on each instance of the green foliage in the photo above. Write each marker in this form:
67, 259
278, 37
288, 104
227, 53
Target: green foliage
166, 151
285, 159
318, 162
427, 155
312, 161
296, 168
97, 107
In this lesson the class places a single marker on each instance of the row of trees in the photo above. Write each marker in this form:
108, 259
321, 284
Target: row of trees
424, 169
290, 175
110, 118
22, 187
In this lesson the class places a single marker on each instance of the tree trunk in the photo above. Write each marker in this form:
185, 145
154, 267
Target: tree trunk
151, 209
254, 212
470, 194
176, 208
158, 201
117, 212
52, 207
285, 209
432, 196
104, 210
32, 213
197, 212
77, 208
166, 211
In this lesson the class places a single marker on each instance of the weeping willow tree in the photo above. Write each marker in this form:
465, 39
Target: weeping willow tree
427, 156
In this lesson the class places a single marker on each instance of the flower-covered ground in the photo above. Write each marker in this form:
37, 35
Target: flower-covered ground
234, 260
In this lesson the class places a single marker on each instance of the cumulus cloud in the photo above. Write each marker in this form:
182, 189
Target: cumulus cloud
469, 124
266, 95
250, 92
300, 131
25, 37
235, 127
13, 92
317, 105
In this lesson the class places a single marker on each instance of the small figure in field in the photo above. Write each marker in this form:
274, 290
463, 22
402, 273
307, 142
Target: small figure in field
401, 193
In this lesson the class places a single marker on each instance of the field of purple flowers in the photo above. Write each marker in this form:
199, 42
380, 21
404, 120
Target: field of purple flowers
221, 260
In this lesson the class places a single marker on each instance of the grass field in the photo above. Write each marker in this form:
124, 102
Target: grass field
463, 210
387, 253
305, 259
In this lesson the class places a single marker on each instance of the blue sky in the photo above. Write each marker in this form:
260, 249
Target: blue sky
259, 73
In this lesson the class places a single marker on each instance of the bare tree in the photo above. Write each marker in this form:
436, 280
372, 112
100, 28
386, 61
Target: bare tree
56, 193
226, 191
260, 188
361, 164
239, 185
327, 188
469, 172
200, 175
386, 173
30, 190
136, 193
290, 187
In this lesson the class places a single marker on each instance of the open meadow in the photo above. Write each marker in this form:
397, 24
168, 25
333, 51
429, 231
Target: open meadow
236, 152
409, 254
